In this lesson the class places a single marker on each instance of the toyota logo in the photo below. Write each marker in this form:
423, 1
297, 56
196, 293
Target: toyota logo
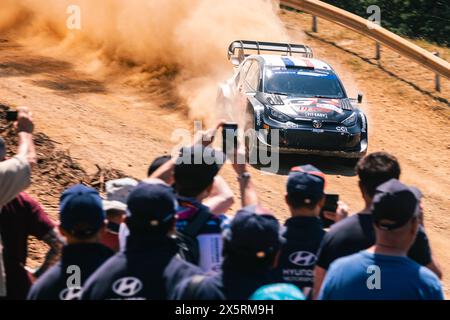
71, 293
303, 258
317, 124
127, 286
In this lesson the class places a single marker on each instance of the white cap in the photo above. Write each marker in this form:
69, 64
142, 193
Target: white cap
117, 192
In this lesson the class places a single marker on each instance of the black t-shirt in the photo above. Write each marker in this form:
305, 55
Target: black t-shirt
83, 259
299, 253
357, 233
233, 282
148, 269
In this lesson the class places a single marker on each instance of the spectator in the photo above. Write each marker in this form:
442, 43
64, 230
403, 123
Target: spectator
303, 232
356, 232
15, 173
193, 183
220, 198
115, 206
198, 229
21, 218
251, 247
278, 291
384, 271
82, 224
149, 266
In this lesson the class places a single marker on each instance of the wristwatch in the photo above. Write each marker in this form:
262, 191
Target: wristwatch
244, 176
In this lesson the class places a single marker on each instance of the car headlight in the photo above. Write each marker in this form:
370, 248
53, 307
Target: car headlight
350, 121
277, 115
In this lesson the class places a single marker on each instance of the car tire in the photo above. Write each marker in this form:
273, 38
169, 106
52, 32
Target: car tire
351, 162
250, 139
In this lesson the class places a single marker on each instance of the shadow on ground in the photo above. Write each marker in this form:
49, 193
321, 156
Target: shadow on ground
57, 75
328, 165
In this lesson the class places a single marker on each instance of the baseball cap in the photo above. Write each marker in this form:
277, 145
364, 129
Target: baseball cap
394, 204
81, 211
306, 183
117, 192
197, 166
150, 206
416, 192
278, 291
252, 233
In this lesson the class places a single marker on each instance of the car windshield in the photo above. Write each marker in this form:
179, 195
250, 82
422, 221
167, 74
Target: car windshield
302, 82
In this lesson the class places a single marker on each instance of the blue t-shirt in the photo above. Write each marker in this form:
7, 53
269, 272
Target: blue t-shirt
369, 276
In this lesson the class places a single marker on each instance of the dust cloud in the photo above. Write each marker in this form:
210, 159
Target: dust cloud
183, 42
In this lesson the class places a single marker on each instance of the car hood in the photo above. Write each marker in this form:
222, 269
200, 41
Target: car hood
310, 108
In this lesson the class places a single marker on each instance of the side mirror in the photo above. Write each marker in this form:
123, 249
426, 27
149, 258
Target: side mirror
360, 97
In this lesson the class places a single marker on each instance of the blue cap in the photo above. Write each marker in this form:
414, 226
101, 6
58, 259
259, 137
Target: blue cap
394, 204
81, 211
278, 291
252, 233
306, 184
150, 205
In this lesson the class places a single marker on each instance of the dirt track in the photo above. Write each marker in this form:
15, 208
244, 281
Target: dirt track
115, 124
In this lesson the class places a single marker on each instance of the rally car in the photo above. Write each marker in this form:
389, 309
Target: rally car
300, 96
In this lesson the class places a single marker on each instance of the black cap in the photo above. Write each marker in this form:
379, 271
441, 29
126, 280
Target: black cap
306, 184
150, 206
394, 204
81, 211
253, 234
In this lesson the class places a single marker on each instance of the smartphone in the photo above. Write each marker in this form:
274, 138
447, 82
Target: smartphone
331, 204
229, 137
11, 115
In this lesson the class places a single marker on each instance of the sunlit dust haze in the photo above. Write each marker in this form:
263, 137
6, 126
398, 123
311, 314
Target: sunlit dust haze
181, 41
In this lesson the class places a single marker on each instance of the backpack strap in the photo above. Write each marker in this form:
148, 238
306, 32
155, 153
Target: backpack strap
193, 228
192, 287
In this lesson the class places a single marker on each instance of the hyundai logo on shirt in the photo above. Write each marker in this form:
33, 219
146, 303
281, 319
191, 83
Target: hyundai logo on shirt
303, 258
127, 286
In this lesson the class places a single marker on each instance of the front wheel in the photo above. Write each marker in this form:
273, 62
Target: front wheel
351, 162
250, 139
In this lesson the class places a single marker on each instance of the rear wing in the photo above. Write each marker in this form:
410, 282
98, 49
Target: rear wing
242, 45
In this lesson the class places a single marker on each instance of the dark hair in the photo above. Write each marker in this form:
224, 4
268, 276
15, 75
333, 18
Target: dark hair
377, 168
195, 170
82, 231
137, 227
247, 262
192, 187
157, 162
112, 213
2, 149
299, 202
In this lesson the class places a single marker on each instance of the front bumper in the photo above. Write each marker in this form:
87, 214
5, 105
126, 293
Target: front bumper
326, 153
327, 141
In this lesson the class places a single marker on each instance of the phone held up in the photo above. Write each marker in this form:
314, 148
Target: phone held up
331, 205
11, 115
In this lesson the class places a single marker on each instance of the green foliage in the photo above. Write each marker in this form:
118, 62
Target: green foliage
427, 19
